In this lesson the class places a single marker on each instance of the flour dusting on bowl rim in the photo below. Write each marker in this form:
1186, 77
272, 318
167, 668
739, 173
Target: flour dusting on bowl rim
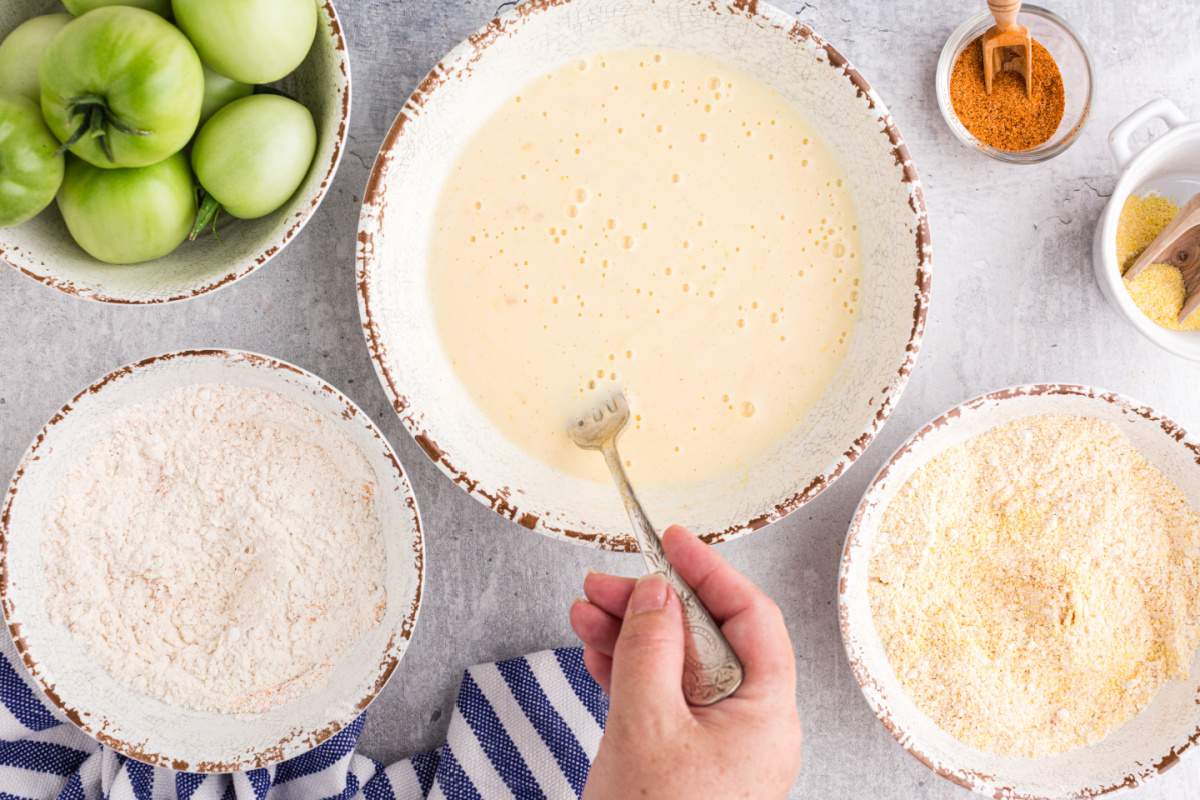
856, 555
297, 740
457, 65
30, 264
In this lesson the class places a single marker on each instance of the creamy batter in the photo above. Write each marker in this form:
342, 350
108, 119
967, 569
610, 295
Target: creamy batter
656, 222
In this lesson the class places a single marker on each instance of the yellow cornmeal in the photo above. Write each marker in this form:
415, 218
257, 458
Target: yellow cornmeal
1142, 219
1035, 586
1158, 291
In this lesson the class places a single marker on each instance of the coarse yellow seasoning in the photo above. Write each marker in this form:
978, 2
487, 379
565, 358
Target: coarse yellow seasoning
1158, 291
1035, 586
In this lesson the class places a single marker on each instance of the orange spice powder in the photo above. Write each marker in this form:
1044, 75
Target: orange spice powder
1008, 119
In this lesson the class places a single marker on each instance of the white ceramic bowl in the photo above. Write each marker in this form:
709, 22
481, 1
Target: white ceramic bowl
44, 250
1138, 751
1170, 166
145, 728
463, 91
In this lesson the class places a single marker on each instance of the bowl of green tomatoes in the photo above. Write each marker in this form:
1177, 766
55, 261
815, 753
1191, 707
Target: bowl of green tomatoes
153, 151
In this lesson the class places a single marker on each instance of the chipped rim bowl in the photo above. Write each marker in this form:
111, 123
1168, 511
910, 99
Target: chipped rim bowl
145, 728
43, 250
1140, 750
452, 102
1074, 61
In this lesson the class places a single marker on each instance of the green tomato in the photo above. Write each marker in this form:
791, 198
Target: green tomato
252, 41
252, 156
78, 7
31, 168
219, 92
126, 216
21, 52
122, 87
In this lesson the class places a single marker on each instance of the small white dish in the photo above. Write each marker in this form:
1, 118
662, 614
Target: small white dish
145, 728
1170, 166
43, 249
1138, 751
462, 92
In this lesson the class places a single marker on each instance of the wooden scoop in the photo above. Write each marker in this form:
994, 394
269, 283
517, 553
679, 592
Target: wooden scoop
1179, 246
1007, 45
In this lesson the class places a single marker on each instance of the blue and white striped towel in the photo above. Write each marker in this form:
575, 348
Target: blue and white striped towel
525, 728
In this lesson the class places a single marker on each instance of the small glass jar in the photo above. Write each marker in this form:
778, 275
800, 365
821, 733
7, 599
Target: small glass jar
1074, 62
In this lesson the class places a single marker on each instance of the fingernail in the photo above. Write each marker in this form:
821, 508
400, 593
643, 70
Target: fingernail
650, 594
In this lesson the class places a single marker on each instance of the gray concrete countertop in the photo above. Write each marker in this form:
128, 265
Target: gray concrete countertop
1014, 300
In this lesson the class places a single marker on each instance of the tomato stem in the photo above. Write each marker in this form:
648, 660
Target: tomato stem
210, 209
97, 121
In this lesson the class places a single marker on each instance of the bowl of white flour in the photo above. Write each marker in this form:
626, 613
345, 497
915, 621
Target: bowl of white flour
211, 560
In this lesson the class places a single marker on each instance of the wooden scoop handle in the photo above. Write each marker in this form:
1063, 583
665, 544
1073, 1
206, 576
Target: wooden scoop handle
1187, 258
1005, 12
1164, 248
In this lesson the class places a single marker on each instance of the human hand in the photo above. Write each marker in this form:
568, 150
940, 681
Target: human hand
657, 746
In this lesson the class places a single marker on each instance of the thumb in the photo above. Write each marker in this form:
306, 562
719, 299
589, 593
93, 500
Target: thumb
647, 668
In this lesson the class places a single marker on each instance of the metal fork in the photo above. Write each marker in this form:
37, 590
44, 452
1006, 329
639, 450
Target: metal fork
711, 669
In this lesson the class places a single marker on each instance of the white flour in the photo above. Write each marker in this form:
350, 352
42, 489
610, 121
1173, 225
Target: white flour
216, 548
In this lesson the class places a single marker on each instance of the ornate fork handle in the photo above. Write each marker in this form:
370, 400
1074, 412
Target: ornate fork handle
711, 671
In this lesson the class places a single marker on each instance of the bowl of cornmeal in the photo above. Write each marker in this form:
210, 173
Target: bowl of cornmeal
210, 561
1020, 593
702, 205
1156, 181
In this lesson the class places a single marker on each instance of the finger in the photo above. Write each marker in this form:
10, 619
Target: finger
749, 619
724, 591
647, 668
600, 666
609, 592
595, 627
